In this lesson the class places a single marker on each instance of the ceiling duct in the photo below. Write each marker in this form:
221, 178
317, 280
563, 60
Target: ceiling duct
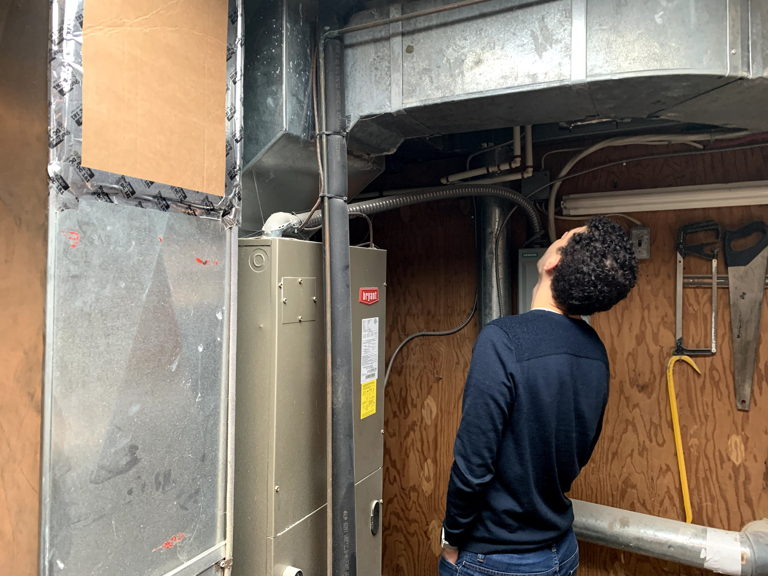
280, 159
514, 62
491, 64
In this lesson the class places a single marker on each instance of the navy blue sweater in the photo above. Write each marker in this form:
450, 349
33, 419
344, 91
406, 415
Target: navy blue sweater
531, 415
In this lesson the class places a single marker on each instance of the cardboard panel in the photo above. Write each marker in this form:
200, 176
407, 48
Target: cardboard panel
154, 82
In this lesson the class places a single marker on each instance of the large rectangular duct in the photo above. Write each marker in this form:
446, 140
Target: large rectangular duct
280, 158
505, 63
280, 483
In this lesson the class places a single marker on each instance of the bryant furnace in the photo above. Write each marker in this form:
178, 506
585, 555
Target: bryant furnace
280, 440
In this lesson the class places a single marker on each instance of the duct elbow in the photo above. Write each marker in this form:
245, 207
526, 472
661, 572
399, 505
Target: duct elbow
279, 222
742, 553
754, 539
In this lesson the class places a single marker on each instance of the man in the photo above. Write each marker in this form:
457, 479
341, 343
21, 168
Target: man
532, 412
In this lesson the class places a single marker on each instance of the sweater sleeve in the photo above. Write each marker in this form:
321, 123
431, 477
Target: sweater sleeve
489, 395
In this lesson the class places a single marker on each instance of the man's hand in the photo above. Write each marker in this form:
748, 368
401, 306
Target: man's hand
451, 554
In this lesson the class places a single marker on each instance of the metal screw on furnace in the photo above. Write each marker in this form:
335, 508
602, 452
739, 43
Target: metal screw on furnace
277, 488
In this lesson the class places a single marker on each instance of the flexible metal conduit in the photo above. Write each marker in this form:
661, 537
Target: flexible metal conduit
432, 194
737, 553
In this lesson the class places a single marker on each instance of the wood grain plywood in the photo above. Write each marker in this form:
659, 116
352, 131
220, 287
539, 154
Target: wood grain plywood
431, 280
634, 466
23, 202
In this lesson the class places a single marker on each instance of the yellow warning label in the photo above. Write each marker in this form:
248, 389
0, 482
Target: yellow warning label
368, 399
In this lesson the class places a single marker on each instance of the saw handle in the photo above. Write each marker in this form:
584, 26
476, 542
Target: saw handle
707, 250
745, 256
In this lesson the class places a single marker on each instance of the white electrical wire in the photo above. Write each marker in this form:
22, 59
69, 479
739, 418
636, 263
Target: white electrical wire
648, 139
583, 218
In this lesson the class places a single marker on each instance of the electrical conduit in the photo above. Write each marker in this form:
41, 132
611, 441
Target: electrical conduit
281, 222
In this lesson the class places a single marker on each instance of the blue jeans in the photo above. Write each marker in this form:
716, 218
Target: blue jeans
559, 559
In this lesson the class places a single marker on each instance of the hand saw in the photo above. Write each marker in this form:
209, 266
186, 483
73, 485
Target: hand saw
746, 281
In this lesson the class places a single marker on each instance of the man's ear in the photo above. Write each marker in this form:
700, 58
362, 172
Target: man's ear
551, 263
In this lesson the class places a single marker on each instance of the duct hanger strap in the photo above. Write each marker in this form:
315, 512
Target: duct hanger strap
333, 196
326, 133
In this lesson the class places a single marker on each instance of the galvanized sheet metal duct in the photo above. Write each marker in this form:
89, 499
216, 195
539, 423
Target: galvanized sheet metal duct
737, 553
504, 63
279, 156
496, 63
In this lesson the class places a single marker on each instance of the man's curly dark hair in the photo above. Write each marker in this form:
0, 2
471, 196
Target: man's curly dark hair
597, 269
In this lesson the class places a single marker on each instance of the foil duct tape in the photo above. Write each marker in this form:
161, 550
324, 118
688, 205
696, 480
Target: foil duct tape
69, 180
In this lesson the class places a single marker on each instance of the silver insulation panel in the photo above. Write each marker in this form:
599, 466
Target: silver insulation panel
139, 348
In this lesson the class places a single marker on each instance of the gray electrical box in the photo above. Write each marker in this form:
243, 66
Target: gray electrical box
527, 276
280, 439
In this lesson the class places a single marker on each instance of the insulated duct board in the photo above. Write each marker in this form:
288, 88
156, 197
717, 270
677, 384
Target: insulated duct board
138, 336
280, 490
135, 424
506, 63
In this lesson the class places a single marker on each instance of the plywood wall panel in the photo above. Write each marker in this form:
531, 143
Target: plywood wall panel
23, 202
634, 466
431, 279
726, 478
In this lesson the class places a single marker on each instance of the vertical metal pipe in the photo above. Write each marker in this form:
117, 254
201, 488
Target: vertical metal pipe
338, 318
231, 379
495, 281
493, 259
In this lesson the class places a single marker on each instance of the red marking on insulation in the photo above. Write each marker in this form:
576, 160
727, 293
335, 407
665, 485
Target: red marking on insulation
203, 262
171, 542
73, 237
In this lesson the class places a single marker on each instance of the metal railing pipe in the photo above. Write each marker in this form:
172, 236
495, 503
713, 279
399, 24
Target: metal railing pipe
725, 552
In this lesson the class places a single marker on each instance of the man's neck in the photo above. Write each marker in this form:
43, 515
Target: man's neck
542, 297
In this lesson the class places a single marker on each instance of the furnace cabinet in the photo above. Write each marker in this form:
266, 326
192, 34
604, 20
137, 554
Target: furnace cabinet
280, 439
